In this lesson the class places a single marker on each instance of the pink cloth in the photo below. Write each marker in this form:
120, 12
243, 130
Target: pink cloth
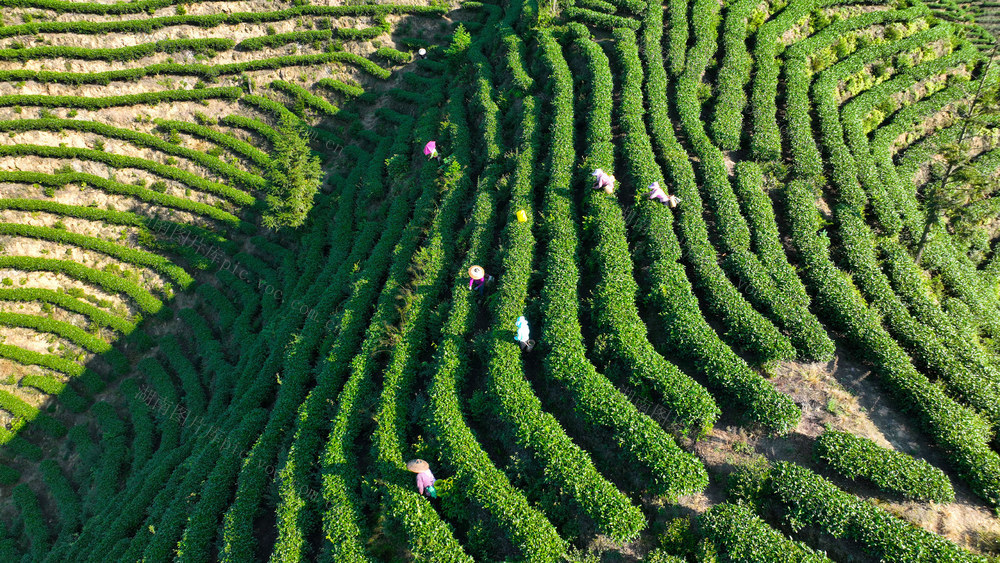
425, 479
604, 180
657, 193
476, 283
430, 149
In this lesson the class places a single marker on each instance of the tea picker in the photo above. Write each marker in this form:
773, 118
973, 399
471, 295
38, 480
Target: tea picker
430, 149
657, 193
603, 181
478, 279
425, 479
522, 334
423, 53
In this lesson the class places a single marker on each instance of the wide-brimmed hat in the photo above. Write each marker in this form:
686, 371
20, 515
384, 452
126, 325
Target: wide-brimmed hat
417, 465
477, 272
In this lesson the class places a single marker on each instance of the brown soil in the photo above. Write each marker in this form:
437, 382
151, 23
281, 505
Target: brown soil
842, 395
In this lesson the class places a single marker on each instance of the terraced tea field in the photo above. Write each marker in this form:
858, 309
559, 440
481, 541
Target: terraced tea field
234, 298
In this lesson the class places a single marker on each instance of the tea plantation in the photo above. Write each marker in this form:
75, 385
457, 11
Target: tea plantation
235, 299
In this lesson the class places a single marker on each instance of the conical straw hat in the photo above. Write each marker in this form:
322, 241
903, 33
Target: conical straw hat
417, 465
476, 272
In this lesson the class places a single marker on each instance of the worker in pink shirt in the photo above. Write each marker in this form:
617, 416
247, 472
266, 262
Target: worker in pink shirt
478, 279
603, 181
425, 479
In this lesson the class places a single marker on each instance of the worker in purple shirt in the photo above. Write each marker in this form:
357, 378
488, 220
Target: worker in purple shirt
425, 479
478, 278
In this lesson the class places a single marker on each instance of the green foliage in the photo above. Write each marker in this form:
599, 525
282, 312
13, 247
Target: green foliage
107, 281
305, 98
293, 178
271, 41
673, 470
67, 500
806, 499
352, 90
673, 299
120, 161
855, 457
399, 57
131, 53
460, 41
961, 432
35, 527
741, 535
125, 254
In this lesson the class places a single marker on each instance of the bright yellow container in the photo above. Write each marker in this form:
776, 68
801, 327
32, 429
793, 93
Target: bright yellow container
522, 216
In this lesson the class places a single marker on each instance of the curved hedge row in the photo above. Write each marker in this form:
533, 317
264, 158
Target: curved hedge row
742, 323
207, 72
113, 187
892, 471
342, 528
674, 471
279, 39
514, 48
120, 161
138, 138
209, 20
146, 225
125, 254
766, 243
734, 74
600, 19
765, 139
527, 528
237, 532
303, 96
394, 55
67, 500
741, 535
859, 242
70, 332
339, 476
565, 465
24, 413
90, 379
623, 334
963, 434
96, 315
229, 142
95, 103
803, 329
810, 500
108, 282
798, 73
687, 332
130, 53
35, 527
350, 90
61, 391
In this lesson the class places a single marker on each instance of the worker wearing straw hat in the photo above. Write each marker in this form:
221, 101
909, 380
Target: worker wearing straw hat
478, 278
425, 479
